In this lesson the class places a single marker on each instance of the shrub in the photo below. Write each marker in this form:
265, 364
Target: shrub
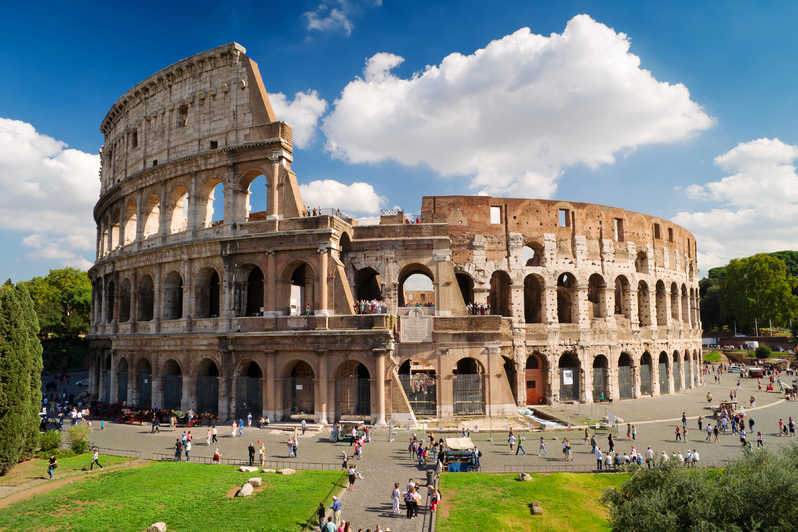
762, 351
50, 440
78, 437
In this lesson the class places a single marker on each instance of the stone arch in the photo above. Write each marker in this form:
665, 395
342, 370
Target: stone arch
250, 291
208, 293
466, 284
677, 379
210, 203
352, 389
534, 377
172, 385
115, 229
121, 380
130, 220
625, 377
300, 281
566, 298
641, 262
143, 383
623, 297
534, 286
110, 294
255, 184
469, 387
146, 298
124, 300
688, 371
661, 303
674, 303
596, 295
300, 388
344, 246
178, 209
685, 306
511, 373
419, 380
249, 389
643, 304
532, 254
152, 215
173, 296
601, 379
367, 284
418, 287
500, 295
646, 380
662, 368
208, 387
570, 368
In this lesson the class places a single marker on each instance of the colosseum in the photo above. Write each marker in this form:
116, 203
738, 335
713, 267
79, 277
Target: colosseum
479, 306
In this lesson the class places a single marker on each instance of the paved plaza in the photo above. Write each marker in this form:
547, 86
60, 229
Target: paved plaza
385, 462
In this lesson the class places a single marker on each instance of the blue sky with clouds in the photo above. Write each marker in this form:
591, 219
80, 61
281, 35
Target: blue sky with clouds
677, 110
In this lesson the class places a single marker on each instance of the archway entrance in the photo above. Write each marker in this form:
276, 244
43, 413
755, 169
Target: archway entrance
499, 295
512, 377
533, 296
645, 374
367, 285
566, 297
625, 384
301, 290
208, 387
416, 287
688, 372
172, 385
300, 390
254, 288
143, 384
121, 382
107, 379
535, 383
601, 379
663, 373
677, 378
419, 383
249, 386
569, 376
466, 284
469, 396
353, 389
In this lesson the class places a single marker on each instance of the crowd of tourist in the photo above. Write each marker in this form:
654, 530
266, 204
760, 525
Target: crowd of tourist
479, 309
370, 306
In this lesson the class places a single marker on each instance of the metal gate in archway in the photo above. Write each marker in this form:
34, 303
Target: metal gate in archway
663, 378
299, 395
207, 394
600, 384
569, 384
353, 395
645, 379
248, 396
172, 391
677, 381
121, 387
107, 387
688, 374
420, 389
143, 390
625, 382
469, 398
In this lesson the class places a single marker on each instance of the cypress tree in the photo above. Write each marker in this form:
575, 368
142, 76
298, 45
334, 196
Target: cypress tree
33, 359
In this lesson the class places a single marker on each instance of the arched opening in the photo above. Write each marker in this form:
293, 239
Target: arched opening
106, 391
499, 295
130, 223
469, 397
623, 297
344, 247
110, 294
353, 389
645, 374
596, 295
172, 385
466, 284
253, 292
625, 380
416, 287
533, 298
532, 254
215, 205
178, 206
643, 304
663, 373
535, 379
641, 262
569, 376
677, 372
674, 303
566, 298
256, 199
146, 298
143, 383
419, 381
367, 285
685, 306
208, 293
208, 387
300, 389
152, 215
511, 373
173, 297
121, 381
301, 290
688, 371
601, 379
661, 304
124, 301
249, 391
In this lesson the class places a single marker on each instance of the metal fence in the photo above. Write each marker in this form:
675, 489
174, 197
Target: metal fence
248, 396
208, 394
600, 384
625, 382
645, 379
469, 397
421, 391
272, 464
353, 396
119, 452
663, 378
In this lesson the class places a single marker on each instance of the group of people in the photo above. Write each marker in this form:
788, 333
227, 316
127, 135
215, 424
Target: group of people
478, 309
370, 306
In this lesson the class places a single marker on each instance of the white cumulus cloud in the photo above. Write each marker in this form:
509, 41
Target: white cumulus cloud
356, 198
302, 114
514, 115
47, 192
755, 207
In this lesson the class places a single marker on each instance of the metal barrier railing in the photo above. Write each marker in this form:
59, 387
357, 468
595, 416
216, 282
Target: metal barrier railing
129, 453
272, 464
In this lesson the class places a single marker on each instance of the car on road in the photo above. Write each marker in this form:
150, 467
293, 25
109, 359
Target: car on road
83, 383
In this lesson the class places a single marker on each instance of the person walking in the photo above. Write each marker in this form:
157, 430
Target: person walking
542, 447
700, 421
188, 450
329, 526
320, 513
611, 442
599, 460
208, 437
52, 464
304, 426
261, 453
520, 446
634, 433
95, 459
251, 451
715, 432
336, 508
214, 434
352, 472
649, 457
178, 450
217, 456
678, 433
511, 441
395, 494
592, 442
759, 441
709, 432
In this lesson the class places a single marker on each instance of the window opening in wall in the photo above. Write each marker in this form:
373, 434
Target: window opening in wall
618, 226
656, 231
182, 116
155, 162
670, 234
689, 249
134, 139
214, 144
495, 215
564, 218
256, 199
216, 202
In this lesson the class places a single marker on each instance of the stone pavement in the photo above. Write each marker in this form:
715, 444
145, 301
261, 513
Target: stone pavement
384, 462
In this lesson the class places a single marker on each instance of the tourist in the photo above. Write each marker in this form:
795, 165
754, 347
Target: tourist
634, 433
597, 453
95, 459
436, 499
715, 432
587, 436
52, 464
178, 450
320, 513
217, 456
304, 426
511, 440
759, 441
352, 472
709, 432
261, 453
249, 419
611, 442
700, 421
188, 450
329, 526
395, 497
791, 424
678, 433
542, 447
649, 457
336, 508
214, 434
520, 446
208, 438
251, 452
233, 429
628, 431
240, 427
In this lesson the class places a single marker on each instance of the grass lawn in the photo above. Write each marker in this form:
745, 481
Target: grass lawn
185, 496
37, 468
712, 356
570, 501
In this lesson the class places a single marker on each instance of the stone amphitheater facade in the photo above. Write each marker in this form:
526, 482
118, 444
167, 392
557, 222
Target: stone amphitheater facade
254, 312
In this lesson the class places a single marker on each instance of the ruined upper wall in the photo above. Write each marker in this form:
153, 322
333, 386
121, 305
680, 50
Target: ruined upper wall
208, 101
674, 248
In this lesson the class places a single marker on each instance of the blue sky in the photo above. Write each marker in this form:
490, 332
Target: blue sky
716, 155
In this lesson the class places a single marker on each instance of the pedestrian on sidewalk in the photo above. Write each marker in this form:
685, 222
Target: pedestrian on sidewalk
678, 433
251, 451
304, 426
759, 441
395, 494
352, 471
188, 450
336, 508
329, 526
700, 421
520, 446
214, 434
634, 433
320, 513
599, 460
542, 447
178, 450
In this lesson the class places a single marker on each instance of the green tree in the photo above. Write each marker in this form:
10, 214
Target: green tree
63, 301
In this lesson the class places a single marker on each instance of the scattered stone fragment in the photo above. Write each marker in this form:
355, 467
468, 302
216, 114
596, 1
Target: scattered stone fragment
248, 469
245, 491
160, 526
535, 507
256, 482
286, 471
524, 476
269, 470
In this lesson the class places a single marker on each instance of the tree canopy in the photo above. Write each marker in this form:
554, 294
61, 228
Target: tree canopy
62, 300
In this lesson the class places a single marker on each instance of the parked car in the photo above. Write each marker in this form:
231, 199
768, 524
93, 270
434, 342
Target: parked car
83, 383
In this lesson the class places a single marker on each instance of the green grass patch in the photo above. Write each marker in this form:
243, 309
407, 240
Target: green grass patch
184, 496
570, 501
712, 356
37, 468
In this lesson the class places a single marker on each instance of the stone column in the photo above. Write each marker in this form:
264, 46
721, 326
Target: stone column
271, 305
139, 221
269, 382
636, 378
157, 298
380, 371
114, 392
193, 208
633, 314
131, 383
272, 181
553, 379
321, 293
582, 316
655, 376
102, 377
163, 214
550, 307
331, 399
188, 294
671, 382
321, 389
